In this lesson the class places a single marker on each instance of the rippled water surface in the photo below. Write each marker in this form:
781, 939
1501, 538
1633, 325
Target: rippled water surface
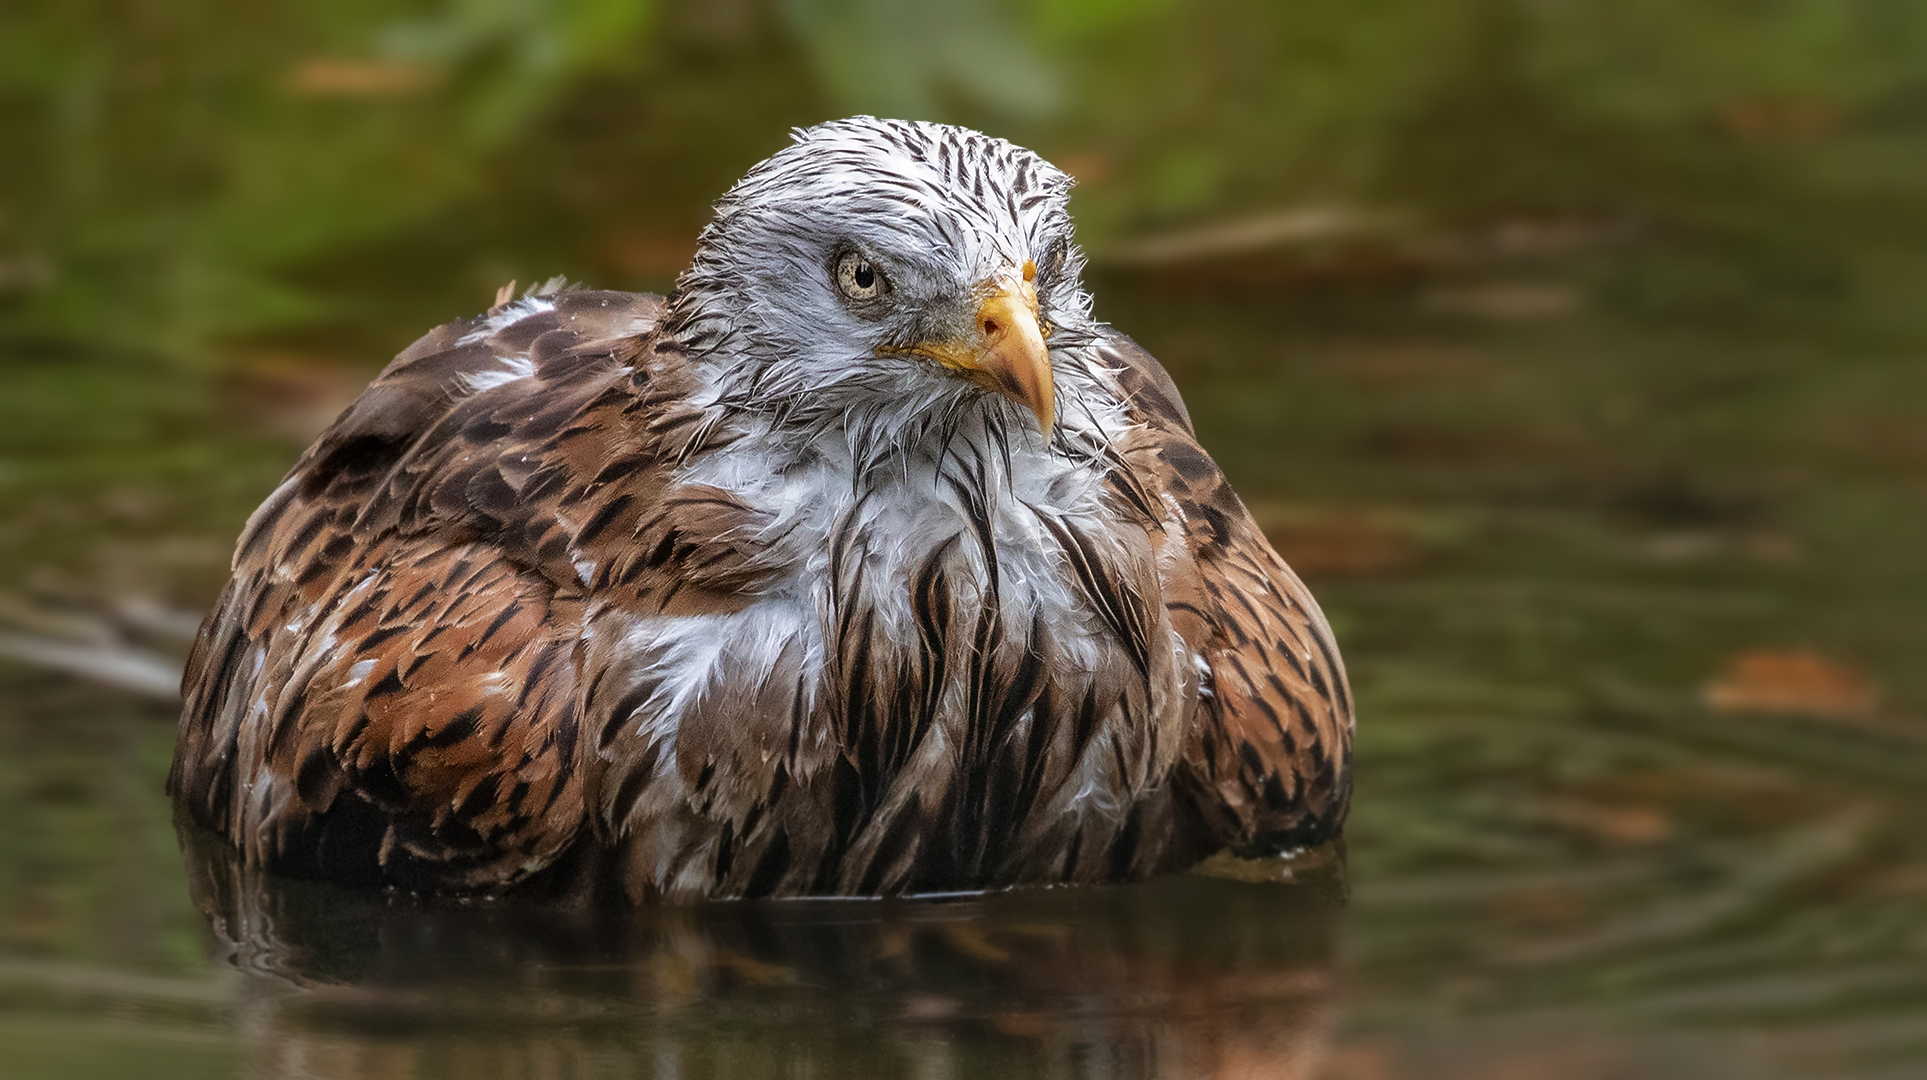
1573, 353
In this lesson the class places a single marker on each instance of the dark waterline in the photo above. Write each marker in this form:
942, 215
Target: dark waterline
1167, 979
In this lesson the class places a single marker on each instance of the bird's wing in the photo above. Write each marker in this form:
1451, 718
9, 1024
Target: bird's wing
387, 688
409, 721
1268, 758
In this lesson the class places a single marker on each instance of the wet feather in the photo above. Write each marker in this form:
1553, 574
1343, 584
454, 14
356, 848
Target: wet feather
722, 595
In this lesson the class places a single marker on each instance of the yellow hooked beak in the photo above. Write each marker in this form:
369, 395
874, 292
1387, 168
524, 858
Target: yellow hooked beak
1007, 352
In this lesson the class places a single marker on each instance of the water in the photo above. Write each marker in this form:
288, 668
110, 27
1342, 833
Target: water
1592, 416
1032, 983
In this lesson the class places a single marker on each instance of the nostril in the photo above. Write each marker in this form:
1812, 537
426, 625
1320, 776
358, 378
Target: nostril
991, 327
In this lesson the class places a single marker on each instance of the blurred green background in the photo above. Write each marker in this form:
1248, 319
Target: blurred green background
1575, 351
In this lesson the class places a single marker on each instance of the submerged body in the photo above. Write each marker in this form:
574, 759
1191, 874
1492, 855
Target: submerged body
866, 563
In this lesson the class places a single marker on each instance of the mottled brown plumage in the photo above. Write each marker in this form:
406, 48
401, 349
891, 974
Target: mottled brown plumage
544, 601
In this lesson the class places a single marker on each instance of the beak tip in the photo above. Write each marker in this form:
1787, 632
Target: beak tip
1017, 358
1044, 403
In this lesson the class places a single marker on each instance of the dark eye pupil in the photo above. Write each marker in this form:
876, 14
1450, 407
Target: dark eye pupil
865, 277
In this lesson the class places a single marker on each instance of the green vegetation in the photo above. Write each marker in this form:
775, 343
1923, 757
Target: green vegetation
176, 177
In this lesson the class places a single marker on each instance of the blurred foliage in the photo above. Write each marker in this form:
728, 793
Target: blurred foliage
165, 160
171, 175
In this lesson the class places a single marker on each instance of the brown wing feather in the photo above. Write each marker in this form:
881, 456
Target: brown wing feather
1267, 765
386, 689
419, 730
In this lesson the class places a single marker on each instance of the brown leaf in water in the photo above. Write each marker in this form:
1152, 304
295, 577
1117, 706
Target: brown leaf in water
756, 972
1787, 119
1791, 681
1616, 823
974, 942
339, 77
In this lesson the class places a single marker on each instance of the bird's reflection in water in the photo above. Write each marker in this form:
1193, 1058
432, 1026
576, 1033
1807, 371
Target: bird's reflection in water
1190, 976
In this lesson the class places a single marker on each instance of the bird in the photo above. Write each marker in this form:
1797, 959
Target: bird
866, 562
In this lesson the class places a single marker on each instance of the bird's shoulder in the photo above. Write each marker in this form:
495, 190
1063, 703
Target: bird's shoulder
549, 428
1269, 756
1147, 389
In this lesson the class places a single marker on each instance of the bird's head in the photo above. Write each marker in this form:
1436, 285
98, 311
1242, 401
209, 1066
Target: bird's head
887, 267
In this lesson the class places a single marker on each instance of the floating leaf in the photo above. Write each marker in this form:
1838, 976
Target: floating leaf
337, 77
1791, 681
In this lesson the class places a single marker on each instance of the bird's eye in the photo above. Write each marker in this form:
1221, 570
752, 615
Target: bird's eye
858, 279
